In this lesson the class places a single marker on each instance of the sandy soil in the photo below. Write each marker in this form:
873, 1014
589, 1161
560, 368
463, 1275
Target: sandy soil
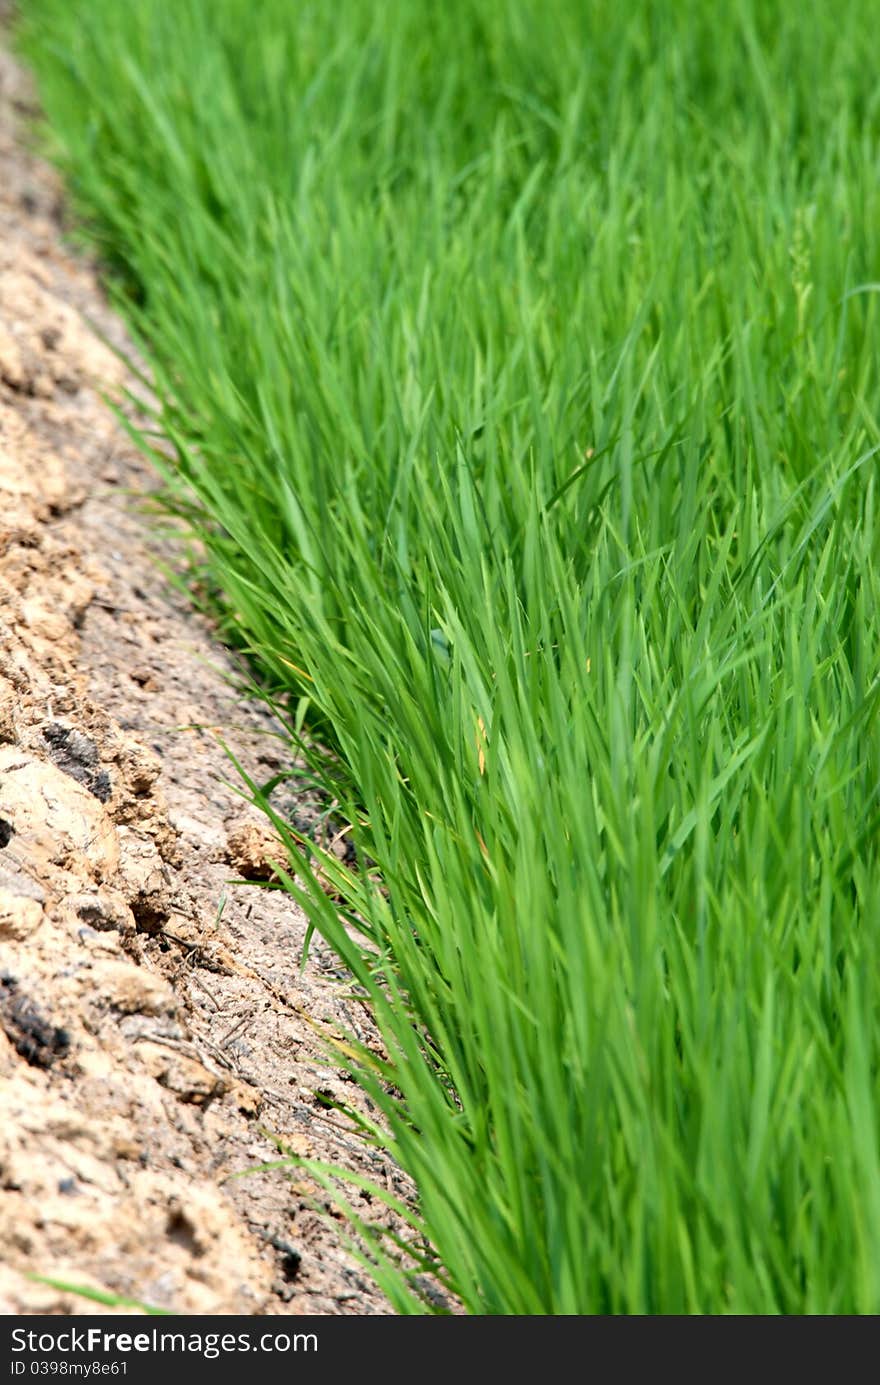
153, 1018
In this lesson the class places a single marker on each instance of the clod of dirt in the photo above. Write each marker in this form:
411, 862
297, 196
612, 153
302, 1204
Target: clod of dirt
77, 755
101, 909
289, 1258
54, 818
31, 1034
188, 1078
21, 904
252, 847
145, 879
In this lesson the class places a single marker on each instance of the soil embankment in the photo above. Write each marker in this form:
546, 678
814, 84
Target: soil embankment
151, 1012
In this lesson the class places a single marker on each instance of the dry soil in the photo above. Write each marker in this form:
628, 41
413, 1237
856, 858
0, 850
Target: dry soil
154, 1022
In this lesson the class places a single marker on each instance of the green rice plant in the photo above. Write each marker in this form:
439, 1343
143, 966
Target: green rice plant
518, 367
107, 1300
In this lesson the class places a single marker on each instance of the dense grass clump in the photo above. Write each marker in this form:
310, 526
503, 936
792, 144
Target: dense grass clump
520, 362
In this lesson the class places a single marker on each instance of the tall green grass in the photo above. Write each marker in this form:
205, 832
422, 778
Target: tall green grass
519, 360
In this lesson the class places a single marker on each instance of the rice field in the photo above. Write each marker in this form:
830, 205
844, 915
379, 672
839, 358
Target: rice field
517, 373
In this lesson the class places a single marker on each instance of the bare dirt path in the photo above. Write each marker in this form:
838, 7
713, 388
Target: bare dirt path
148, 1007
